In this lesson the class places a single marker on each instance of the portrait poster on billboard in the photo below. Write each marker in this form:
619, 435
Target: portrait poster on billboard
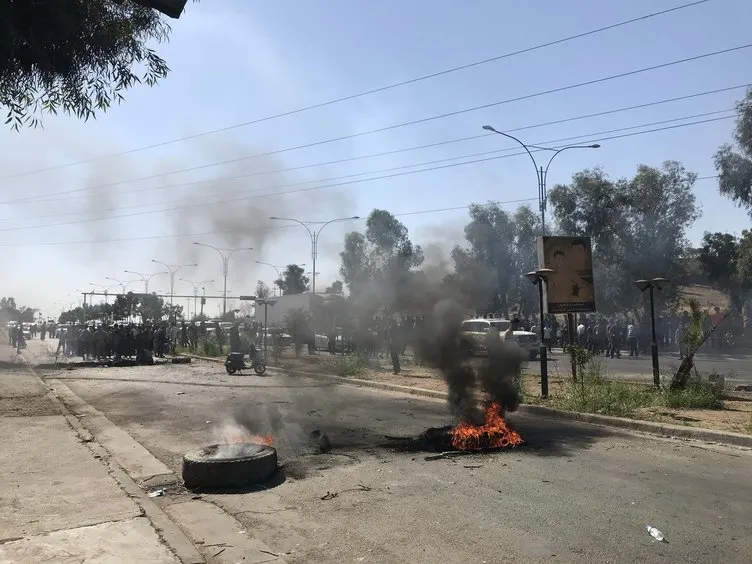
569, 289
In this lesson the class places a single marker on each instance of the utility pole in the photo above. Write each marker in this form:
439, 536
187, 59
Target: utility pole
314, 234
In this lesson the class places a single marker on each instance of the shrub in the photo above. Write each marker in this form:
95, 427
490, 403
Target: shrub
349, 365
697, 394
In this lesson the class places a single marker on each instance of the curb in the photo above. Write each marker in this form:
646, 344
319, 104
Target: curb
662, 429
169, 532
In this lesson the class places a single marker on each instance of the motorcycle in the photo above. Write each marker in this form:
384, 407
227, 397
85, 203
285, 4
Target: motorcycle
236, 362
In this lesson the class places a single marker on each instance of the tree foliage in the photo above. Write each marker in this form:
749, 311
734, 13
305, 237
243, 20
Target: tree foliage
727, 262
638, 228
377, 265
336, 288
9, 311
734, 165
74, 56
500, 249
293, 281
263, 290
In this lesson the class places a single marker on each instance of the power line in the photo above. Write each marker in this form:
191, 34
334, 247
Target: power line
375, 90
413, 122
266, 228
384, 170
345, 183
408, 149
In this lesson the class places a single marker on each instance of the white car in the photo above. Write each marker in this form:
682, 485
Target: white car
473, 336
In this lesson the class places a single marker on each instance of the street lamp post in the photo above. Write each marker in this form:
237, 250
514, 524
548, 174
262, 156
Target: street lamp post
540, 277
123, 285
196, 286
314, 234
172, 269
276, 268
103, 287
540, 172
225, 267
145, 277
655, 283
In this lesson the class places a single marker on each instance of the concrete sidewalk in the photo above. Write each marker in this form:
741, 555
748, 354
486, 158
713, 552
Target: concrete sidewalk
58, 503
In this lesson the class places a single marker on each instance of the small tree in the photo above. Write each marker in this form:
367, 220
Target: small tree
293, 281
694, 337
263, 290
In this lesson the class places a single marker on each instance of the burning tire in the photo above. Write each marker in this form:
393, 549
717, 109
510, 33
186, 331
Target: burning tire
229, 466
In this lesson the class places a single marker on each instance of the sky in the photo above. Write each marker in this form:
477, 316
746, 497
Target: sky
81, 202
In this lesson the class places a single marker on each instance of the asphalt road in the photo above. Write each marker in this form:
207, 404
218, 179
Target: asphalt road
737, 368
574, 493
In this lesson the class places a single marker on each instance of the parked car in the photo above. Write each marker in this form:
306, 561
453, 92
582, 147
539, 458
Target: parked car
473, 336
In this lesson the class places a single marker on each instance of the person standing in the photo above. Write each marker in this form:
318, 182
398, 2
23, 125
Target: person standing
632, 335
395, 346
235, 345
220, 337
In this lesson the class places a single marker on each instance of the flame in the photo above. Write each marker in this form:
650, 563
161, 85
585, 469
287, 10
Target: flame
493, 433
255, 439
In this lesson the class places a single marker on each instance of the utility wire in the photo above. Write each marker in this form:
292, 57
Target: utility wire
131, 191
266, 228
380, 171
376, 90
422, 120
339, 184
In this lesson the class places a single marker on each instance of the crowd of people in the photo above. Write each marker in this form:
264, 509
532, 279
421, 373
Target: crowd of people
614, 335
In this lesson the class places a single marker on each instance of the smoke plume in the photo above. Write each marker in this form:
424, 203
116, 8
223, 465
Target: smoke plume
496, 375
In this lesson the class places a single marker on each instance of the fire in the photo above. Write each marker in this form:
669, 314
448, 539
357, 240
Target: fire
255, 439
493, 433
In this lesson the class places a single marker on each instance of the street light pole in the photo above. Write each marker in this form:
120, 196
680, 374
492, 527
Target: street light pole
123, 285
196, 286
655, 283
276, 269
540, 277
314, 234
145, 277
225, 267
540, 172
172, 269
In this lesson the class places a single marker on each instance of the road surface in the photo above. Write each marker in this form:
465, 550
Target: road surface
737, 368
574, 493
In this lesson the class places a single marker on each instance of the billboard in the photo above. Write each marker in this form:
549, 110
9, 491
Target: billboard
569, 289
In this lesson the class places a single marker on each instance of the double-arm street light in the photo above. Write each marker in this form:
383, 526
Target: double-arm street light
658, 284
276, 268
314, 234
145, 277
225, 267
540, 277
540, 172
172, 269
123, 285
196, 286
106, 289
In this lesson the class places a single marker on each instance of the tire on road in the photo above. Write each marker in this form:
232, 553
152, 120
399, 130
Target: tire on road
200, 470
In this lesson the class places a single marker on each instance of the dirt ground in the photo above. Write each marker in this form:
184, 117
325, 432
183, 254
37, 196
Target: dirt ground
736, 416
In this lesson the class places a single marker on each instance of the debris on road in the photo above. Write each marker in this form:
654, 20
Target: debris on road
181, 393
322, 441
447, 454
329, 495
655, 533
157, 493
